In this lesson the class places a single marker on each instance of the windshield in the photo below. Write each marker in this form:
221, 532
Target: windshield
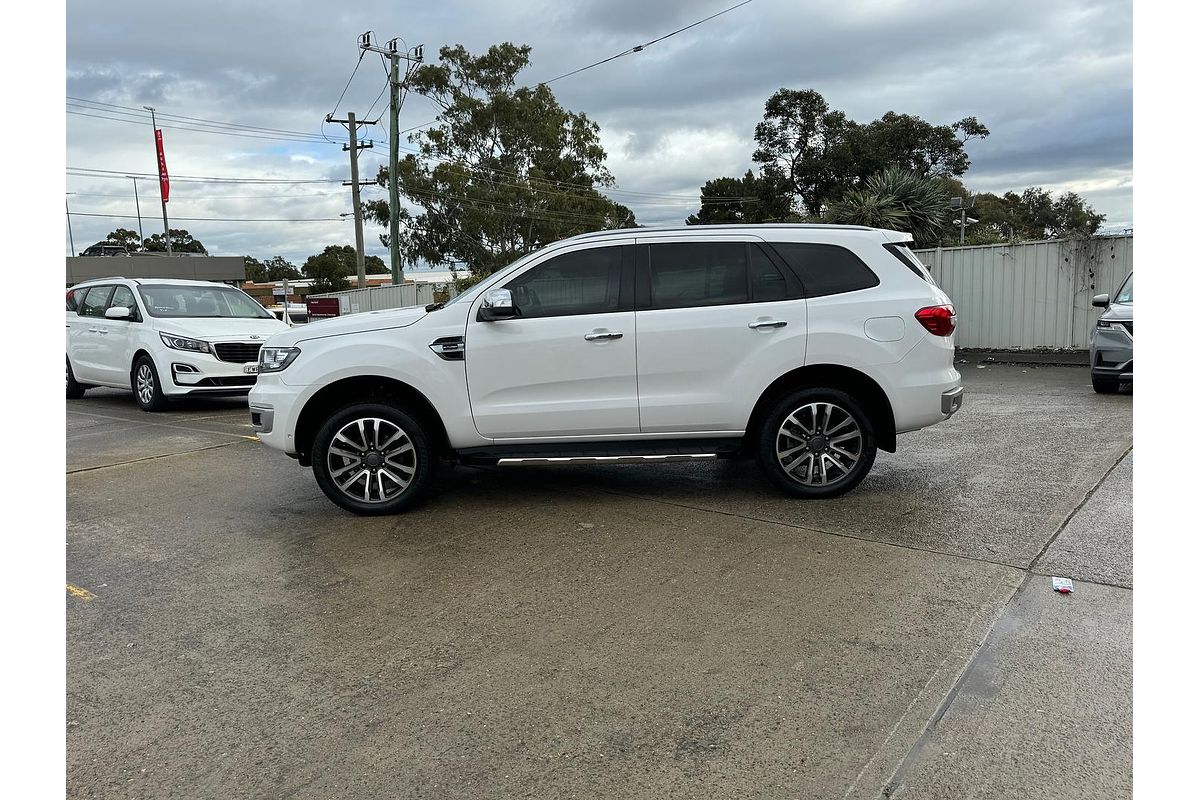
1126, 293
167, 300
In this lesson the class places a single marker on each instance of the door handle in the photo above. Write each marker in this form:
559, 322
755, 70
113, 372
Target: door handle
600, 336
768, 323
102, 332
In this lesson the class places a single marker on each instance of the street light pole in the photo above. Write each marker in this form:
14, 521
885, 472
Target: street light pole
137, 203
166, 225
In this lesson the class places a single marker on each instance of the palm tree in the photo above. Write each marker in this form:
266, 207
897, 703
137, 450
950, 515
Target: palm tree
899, 199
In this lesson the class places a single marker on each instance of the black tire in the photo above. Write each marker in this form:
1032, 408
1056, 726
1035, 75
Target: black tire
149, 396
75, 389
818, 409
375, 494
1105, 384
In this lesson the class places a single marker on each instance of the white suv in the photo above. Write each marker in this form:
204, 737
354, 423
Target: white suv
164, 338
805, 346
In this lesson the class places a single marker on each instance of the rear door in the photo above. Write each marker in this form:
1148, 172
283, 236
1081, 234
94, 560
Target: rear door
717, 321
85, 336
567, 365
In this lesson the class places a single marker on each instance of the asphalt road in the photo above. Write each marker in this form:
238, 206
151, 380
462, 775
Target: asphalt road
666, 631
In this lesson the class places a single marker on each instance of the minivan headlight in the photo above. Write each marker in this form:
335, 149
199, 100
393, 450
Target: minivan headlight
276, 359
184, 343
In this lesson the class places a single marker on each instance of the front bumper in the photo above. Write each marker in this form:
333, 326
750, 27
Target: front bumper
274, 408
1111, 352
203, 373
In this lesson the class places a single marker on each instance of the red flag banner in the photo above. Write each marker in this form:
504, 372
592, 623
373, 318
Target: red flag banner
164, 180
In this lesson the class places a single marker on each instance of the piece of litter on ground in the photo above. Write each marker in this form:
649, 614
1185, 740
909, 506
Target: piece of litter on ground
1063, 585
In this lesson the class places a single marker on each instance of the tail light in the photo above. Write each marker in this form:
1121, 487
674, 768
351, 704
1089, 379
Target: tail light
938, 320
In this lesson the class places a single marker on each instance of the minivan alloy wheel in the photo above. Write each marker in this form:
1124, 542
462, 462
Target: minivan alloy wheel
145, 383
819, 444
371, 460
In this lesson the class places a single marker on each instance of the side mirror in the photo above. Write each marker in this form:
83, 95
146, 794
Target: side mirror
497, 304
119, 312
1101, 301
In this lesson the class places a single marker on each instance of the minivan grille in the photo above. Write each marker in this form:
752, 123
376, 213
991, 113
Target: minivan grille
237, 352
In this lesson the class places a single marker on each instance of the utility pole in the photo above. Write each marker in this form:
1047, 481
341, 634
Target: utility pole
69, 233
393, 54
137, 203
162, 196
354, 146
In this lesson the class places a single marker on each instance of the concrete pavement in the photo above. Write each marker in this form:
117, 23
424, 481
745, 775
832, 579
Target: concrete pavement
671, 631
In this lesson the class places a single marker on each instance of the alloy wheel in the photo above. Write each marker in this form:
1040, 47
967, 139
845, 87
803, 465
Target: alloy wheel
145, 384
371, 460
819, 444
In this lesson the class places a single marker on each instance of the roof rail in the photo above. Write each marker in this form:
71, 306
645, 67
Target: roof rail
106, 278
728, 227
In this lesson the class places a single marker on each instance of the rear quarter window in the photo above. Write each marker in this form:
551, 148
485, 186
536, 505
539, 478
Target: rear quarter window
73, 299
826, 269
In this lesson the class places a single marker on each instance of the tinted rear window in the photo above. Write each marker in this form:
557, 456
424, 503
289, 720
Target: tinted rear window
826, 269
909, 259
699, 274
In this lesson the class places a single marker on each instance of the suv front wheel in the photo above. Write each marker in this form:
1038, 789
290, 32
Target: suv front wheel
816, 443
373, 458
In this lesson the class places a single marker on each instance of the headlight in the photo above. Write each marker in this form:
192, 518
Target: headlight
275, 359
1103, 323
183, 343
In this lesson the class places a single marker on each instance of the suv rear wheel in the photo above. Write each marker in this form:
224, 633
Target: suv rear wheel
816, 443
373, 458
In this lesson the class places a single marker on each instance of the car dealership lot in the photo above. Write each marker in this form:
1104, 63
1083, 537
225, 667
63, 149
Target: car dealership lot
664, 631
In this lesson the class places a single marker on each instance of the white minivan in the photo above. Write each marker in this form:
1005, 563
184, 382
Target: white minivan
164, 338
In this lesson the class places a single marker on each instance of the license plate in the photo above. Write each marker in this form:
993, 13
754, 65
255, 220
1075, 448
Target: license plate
250, 369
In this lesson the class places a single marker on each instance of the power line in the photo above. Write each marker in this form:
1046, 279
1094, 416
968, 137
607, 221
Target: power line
644, 45
208, 122
83, 172
244, 135
210, 219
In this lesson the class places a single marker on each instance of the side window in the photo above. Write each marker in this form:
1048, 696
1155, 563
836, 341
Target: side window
73, 296
826, 268
697, 274
766, 281
123, 296
95, 301
582, 282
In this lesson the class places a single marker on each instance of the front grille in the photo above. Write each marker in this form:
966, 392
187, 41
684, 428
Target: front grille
1129, 327
237, 352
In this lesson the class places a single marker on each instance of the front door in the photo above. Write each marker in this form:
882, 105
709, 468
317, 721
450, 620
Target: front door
85, 339
114, 352
566, 366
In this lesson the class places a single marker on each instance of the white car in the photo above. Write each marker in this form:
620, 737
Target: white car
804, 346
164, 338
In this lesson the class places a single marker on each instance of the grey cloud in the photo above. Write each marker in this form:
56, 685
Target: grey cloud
1053, 81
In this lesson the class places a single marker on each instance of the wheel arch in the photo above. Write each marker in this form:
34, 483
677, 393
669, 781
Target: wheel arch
835, 376
364, 388
137, 356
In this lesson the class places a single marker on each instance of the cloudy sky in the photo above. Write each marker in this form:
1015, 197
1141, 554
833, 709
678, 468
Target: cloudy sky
1053, 82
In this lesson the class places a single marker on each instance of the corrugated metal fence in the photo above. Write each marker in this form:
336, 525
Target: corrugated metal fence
378, 298
1029, 295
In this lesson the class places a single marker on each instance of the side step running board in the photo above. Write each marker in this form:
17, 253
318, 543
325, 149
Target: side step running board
533, 461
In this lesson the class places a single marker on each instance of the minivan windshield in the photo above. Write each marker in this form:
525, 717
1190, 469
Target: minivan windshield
177, 300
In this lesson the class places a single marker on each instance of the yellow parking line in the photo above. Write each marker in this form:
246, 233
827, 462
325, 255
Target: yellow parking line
252, 438
82, 594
